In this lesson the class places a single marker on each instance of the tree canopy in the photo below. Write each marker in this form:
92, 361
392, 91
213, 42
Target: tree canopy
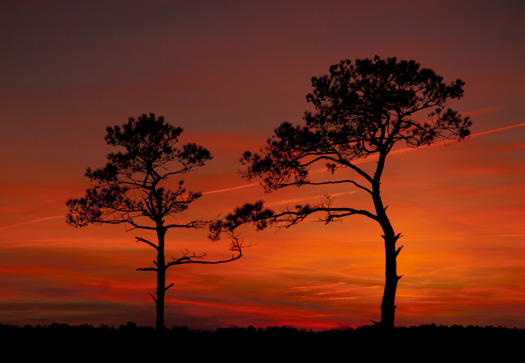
361, 109
128, 189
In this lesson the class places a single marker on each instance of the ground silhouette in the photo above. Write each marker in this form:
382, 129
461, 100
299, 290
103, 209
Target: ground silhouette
415, 343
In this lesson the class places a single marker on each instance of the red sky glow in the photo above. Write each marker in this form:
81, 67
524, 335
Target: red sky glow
228, 73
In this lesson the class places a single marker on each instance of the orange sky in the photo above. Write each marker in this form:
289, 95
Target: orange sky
229, 74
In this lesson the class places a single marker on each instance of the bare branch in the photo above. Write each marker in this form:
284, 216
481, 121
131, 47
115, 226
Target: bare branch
329, 183
140, 239
154, 298
292, 217
192, 224
147, 269
199, 259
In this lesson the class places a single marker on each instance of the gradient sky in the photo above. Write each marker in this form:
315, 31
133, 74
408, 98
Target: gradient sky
228, 73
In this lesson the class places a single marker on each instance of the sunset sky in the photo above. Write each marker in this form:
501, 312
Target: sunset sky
228, 73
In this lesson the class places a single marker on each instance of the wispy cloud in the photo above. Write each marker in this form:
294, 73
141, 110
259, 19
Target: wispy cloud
32, 221
497, 130
231, 189
483, 111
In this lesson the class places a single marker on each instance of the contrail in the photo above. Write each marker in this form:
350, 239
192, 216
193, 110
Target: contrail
496, 130
230, 189
481, 133
369, 159
32, 221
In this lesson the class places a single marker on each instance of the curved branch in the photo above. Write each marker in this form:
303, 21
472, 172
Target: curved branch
262, 217
292, 217
198, 259
332, 182
192, 224
140, 239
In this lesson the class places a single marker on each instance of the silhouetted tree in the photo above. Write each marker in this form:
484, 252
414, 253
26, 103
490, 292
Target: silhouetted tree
130, 190
362, 109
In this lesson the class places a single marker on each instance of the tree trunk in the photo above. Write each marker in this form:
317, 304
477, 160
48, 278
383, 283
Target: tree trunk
388, 306
161, 278
161, 281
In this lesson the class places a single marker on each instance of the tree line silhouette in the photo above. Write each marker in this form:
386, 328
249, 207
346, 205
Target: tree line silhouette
413, 343
362, 109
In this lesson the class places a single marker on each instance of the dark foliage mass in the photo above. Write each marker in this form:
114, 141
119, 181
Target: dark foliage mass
129, 188
282, 343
